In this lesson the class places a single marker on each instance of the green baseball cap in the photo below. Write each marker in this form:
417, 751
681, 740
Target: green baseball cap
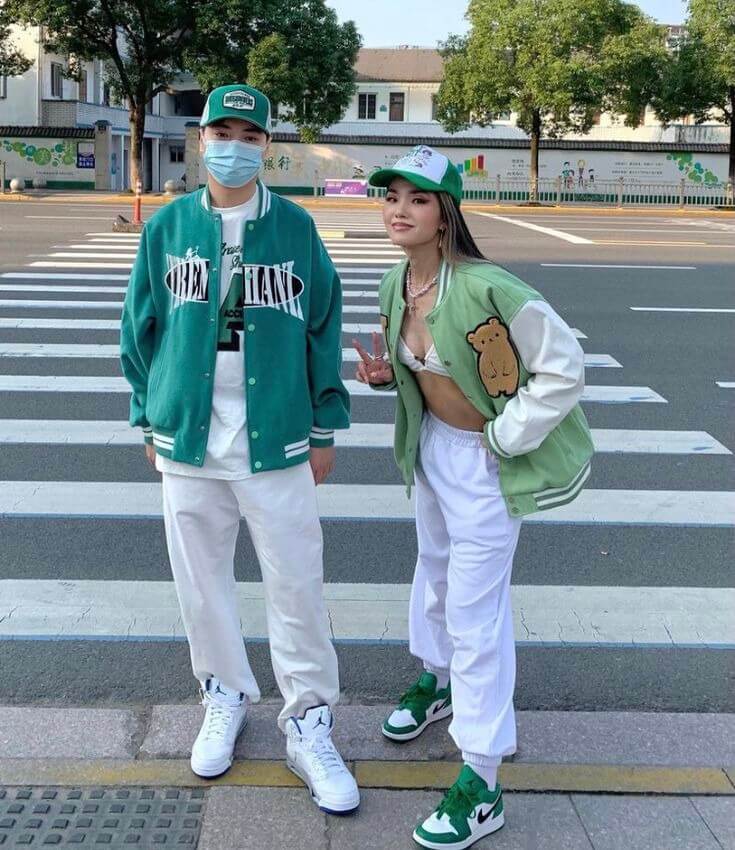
426, 168
237, 101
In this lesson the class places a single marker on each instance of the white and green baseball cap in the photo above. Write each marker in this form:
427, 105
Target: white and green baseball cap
426, 168
237, 101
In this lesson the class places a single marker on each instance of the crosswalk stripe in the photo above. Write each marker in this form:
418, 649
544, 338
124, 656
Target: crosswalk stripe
82, 350
48, 304
726, 385
61, 276
544, 615
86, 255
117, 384
683, 309
51, 304
66, 264
114, 324
34, 287
378, 502
592, 393
371, 435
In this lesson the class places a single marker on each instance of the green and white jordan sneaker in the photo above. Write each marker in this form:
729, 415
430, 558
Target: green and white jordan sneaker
421, 705
468, 812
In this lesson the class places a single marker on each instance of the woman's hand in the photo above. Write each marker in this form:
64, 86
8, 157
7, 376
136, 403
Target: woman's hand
373, 369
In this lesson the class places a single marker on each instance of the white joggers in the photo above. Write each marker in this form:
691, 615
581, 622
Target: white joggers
460, 619
202, 517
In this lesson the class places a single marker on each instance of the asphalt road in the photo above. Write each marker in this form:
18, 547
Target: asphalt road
593, 284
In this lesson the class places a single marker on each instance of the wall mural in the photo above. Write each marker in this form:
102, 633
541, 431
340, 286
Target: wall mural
58, 156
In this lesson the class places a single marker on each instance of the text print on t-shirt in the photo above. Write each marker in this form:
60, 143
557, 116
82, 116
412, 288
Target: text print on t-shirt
230, 313
274, 286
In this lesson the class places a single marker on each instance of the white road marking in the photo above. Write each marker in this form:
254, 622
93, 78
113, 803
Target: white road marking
547, 231
370, 435
613, 266
599, 394
544, 615
378, 502
726, 385
683, 309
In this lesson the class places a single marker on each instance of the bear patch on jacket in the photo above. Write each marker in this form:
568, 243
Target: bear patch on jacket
497, 361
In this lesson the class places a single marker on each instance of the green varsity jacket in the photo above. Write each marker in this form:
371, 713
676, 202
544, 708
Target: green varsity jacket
292, 321
517, 362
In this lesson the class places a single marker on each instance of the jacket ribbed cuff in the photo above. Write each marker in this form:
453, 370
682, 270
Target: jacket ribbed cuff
148, 435
321, 438
492, 440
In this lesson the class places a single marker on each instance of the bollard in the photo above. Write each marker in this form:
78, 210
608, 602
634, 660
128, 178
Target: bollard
136, 203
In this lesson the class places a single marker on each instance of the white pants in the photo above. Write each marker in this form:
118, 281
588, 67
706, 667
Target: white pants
460, 620
202, 517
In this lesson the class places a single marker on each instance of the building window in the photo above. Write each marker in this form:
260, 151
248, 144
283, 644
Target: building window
57, 81
397, 99
106, 94
366, 106
83, 87
3, 87
176, 153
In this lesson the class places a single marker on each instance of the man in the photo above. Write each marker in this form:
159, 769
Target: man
231, 341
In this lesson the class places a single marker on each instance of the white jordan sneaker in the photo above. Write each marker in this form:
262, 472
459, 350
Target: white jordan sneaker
312, 756
224, 720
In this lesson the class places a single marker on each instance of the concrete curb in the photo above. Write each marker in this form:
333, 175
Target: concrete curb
544, 778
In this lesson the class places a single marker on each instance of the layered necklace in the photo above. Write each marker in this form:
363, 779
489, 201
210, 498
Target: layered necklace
417, 293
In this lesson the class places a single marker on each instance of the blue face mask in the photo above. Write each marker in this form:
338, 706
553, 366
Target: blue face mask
232, 163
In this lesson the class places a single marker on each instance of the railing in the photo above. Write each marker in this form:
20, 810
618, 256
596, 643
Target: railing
618, 192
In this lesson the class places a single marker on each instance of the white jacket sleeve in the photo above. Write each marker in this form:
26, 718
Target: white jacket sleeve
555, 361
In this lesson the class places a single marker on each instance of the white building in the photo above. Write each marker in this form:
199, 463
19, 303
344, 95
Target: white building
44, 98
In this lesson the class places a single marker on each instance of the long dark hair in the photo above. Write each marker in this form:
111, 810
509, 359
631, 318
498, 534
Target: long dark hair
456, 242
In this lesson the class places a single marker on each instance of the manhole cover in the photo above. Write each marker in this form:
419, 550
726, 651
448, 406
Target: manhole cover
100, 817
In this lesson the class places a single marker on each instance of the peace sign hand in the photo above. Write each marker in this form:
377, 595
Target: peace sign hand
373, 369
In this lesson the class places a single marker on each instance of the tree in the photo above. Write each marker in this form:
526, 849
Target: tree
699, 78
141, 41
553, 62
295, 51
12, 61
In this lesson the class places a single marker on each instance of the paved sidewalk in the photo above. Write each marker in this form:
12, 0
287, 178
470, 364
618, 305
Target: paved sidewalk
634, 781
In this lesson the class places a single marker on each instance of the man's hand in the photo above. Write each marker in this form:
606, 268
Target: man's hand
322, 463
150, 453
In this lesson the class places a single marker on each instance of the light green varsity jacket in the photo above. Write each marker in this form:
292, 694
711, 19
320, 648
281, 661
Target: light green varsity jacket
517, 362
292, 322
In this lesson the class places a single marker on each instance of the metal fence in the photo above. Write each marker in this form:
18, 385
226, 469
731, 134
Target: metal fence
618, 192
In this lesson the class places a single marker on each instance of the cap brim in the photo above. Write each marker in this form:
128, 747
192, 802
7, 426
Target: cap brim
239, 118
384, 176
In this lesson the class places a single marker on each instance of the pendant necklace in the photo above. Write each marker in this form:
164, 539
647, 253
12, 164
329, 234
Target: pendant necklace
418, 293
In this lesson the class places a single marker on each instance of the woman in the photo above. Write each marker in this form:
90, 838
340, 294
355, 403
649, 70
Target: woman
489, 428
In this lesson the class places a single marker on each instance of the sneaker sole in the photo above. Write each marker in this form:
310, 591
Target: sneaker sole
330, 810
485, 830
409, 736
220, 768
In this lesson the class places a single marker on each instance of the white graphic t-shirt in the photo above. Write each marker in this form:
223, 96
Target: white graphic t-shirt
227, 454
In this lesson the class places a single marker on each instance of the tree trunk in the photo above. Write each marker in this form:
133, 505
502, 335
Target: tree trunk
731, 164
535, 137
137, 130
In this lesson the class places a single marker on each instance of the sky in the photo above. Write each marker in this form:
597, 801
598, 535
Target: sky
388, 23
